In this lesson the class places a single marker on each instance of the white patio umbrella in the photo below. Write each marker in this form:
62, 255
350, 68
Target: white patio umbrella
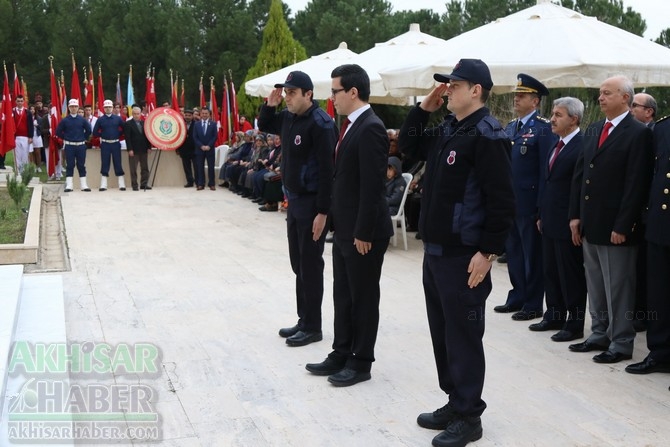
412, 45
556, 45
317, 67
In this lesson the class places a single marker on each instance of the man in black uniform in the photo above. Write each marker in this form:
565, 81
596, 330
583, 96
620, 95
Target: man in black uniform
466, 215
187, 151
309, 136
658, 259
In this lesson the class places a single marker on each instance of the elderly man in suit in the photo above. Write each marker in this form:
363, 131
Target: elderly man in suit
564, 280
204, 141
362, 225
610, 188
138, 149
531, 141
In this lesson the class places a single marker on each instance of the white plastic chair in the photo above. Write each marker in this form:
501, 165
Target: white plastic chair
220, 157
400, 216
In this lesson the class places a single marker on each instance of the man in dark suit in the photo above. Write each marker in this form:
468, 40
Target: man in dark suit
362, 225
204, 140
138, 149
187, 150
467, 210
564, 280
531, 141
644, 110
610, 188
658, 259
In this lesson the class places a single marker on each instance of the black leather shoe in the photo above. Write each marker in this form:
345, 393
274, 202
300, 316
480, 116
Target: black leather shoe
135, 188
287, 332
524, 315
438, 419
567, 336
146, 188
587, 346
302, 338
648, 366
348, 377
188, 185
505, 309
460, 432
545, 325
611, 357
326, 368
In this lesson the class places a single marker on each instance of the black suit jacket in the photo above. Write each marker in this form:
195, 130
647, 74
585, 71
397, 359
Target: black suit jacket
359, 209
658, 214
611, 183
554, 199
186, 150
136, 141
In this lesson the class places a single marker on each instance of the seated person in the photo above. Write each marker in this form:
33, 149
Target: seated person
395, 184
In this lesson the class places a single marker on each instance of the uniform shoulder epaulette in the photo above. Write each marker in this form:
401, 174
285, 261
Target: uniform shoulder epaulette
541, 118
515, 119
322, 119
490, 127
662, 119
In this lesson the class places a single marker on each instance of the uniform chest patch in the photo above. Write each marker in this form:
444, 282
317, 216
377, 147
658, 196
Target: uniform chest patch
298, 140
451, 159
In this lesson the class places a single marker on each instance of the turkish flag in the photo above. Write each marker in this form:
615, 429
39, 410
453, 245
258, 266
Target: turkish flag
8, 130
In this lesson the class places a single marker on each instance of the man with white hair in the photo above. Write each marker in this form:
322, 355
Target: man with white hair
610, 188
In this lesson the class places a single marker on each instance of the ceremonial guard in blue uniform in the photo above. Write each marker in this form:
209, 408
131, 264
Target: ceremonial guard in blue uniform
531, 142
74, 130
109, 128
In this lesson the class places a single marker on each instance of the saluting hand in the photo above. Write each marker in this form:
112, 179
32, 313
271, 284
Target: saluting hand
275, 97
434, 100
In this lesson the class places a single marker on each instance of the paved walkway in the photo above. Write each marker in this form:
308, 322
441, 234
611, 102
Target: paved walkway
206, 277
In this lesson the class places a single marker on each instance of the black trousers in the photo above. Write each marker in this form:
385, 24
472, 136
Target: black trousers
564, 283
356, 297
306, 257
188, 163
658, 301
456, 321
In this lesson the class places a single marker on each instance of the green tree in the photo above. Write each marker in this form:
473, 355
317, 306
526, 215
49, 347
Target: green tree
278, 50
429, 21
610, 12
664, 38
360, 23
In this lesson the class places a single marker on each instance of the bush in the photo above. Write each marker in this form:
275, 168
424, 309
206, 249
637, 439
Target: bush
28, 173
17, 190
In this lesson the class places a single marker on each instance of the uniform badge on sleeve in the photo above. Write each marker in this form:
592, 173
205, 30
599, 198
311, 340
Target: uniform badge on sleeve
451, 159
298, 140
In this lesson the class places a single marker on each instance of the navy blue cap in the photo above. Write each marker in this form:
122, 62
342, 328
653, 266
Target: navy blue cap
528, 84
297, 79
472, 70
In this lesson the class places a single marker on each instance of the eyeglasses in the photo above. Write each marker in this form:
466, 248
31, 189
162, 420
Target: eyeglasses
640, 105
334, 91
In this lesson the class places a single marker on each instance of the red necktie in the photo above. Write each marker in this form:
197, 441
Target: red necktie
343, 129
557, 151
605, 133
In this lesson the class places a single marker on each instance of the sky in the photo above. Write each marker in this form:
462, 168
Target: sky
655, 12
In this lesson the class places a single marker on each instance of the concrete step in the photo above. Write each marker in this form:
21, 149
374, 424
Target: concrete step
10, 288
41, 320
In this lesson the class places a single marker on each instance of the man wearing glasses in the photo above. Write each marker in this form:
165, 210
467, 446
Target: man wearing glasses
644, 109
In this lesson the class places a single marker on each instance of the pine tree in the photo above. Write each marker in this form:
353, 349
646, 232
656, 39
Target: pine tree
278, 50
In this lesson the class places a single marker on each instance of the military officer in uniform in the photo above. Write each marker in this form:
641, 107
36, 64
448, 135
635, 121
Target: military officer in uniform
658, 259
109, 129
531, 142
